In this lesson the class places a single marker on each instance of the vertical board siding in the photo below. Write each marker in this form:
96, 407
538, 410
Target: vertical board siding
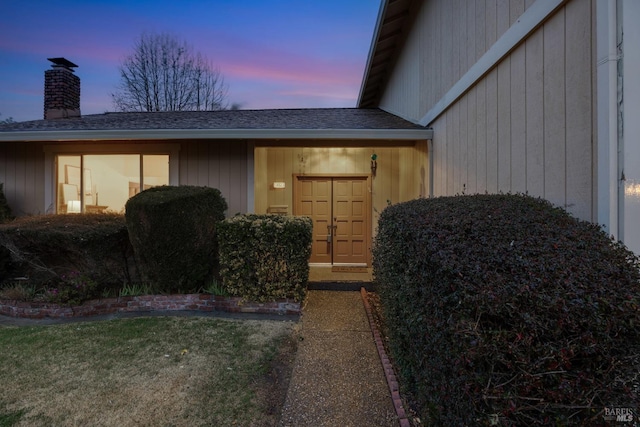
480, 35
470, 35
491, 22
455, 152
439, 153
472, 138
527, 125
518, 122
217, 164
554, 110
446, 38
449, 147
504, 125
534, 117
204, 152
455, 17
481, 137
516, 9
464, 145
492, 131
578, 94
22, 176
503, 17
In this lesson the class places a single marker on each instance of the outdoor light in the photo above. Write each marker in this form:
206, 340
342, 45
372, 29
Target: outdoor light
374, 164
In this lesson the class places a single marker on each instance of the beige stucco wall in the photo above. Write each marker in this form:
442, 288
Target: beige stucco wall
401, 174
527, 125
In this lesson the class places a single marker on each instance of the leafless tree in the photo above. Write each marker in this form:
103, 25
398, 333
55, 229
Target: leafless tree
164, 74
7, 120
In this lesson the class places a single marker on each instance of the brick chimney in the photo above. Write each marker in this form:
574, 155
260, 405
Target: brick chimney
61, 90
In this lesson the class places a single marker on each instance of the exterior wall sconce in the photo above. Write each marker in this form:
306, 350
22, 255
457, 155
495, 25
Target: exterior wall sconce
374, 164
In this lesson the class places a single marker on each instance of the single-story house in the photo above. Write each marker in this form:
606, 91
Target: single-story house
315, 162
458, 97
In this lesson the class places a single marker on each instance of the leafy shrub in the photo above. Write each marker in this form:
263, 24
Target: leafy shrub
18, 291
5, 263
173, 233
504, 310
45, 248
5, 209
73, 289
265, 257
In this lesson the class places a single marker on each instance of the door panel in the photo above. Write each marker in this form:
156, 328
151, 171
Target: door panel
349, 215
339, 206
314, 200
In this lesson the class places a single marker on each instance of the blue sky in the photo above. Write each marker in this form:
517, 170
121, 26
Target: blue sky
272, 53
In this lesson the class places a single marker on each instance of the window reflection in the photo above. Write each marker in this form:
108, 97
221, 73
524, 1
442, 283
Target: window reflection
107, 180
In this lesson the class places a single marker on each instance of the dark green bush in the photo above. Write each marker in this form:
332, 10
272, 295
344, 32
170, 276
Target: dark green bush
46, 248
5, 263
73, 289
5, 209
504, 310
173, 233
265, 257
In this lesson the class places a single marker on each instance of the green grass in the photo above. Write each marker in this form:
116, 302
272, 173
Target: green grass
10, 418
143, 371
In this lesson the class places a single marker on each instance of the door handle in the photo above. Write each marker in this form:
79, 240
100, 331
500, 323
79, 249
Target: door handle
329, 233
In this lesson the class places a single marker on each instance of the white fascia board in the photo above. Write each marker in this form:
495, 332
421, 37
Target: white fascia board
183, 134
533, 17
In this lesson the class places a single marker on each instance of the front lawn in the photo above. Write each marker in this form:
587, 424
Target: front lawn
169, 371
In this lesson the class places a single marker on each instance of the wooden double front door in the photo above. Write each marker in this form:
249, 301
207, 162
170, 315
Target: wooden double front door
339, 207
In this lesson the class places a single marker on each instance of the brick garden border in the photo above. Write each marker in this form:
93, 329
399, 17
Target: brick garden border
146, 303
392, 380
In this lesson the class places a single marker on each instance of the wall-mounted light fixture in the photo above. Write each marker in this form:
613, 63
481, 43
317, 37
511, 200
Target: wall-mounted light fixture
374, 164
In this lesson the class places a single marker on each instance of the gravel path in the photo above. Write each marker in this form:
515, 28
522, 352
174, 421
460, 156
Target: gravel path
337, 379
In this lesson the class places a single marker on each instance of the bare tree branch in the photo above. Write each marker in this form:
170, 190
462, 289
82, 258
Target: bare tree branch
164, 74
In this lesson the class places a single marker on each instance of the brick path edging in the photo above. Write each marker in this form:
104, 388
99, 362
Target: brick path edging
180, 302
392, 380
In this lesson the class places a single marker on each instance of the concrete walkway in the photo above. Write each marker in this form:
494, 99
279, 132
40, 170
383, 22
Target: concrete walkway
338, 379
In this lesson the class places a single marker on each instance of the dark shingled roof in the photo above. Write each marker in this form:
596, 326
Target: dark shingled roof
307, 119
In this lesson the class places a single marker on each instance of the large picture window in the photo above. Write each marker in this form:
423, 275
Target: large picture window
94, 183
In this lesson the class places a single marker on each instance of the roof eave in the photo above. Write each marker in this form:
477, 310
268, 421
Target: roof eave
372, 50
183, 134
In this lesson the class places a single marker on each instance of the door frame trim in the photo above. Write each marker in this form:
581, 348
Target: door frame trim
369, 213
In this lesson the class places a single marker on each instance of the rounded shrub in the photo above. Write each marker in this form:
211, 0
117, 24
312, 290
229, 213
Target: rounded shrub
173, 234
45, 248
505, 310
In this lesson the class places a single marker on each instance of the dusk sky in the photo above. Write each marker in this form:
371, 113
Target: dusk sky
271, 53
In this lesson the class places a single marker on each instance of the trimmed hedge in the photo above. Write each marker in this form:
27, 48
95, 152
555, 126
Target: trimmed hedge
265, 257
505, 310
49, 248
173, 234
5, 209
